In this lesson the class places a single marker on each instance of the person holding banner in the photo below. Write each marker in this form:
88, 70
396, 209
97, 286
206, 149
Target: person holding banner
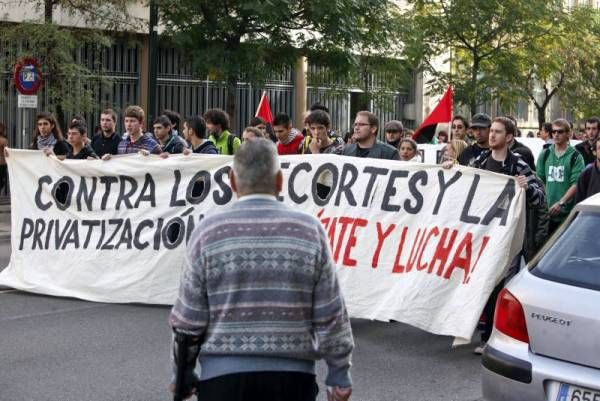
499, 159
49, 135
169, 141
135, 140
107, 140
366, 125
77, 138
259, 296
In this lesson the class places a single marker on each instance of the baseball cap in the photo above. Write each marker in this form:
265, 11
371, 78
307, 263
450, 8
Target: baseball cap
393, 125
481, 120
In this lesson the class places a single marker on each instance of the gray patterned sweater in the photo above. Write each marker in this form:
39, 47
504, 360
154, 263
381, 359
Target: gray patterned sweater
259, 284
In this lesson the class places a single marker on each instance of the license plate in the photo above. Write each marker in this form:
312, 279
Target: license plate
568, 392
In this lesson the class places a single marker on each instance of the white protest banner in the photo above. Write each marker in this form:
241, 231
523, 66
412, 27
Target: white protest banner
412, 242
431, 154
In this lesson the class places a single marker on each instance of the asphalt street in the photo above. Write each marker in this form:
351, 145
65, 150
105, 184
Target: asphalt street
58, 349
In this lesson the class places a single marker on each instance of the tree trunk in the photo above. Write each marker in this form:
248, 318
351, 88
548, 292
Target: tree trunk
473, 85
541, 110
48, 6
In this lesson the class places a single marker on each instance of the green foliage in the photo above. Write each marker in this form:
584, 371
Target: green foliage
560, 64
226, 39
478, 34
71, 83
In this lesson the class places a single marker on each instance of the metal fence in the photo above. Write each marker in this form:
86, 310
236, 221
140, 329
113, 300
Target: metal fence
178, 89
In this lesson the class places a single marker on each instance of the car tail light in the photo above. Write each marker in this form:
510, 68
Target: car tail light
510, 317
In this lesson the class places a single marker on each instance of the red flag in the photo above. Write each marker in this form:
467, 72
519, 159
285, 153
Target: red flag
264, 109
442, 113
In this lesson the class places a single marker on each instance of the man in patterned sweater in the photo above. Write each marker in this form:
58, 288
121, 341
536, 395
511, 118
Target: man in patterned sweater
259, 295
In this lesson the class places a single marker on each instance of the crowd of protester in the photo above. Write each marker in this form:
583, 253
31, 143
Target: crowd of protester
562, 176
567, 174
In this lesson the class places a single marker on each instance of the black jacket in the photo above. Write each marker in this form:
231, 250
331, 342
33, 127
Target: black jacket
524, 152
586, 151
537, 217
379, 150
103, 145
588, 183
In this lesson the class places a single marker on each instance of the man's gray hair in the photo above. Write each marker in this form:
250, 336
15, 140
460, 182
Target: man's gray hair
255, 166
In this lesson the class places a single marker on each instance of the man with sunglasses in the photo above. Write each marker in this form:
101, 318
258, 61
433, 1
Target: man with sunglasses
559, 167
459, 128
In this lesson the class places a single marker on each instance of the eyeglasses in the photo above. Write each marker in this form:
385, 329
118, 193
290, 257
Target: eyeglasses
458, 126
361, 125
559, 131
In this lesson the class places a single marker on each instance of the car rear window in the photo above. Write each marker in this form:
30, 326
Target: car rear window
574, 258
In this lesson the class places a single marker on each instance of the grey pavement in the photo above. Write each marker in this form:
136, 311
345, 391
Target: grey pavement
4, 222
60, 349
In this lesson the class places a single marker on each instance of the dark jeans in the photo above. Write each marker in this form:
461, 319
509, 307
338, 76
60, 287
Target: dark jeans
263, 386
490, 307
553, 226
488, 312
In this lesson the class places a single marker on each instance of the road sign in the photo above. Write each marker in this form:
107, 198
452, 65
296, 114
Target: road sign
28, 101
28, 76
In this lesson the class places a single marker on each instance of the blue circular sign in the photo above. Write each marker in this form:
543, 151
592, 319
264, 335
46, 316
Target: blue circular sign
28, 76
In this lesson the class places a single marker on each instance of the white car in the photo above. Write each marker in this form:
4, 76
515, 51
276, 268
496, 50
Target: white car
546, 340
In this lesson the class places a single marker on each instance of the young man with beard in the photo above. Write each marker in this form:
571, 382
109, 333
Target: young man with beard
499, 159
366, 125
586, 148
106, 141
217, 124
480, 128
559, 167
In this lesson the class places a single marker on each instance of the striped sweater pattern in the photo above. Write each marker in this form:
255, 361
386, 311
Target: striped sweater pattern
258, 280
